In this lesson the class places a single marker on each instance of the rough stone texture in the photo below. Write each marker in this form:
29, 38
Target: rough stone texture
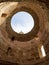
42, 1
14, 51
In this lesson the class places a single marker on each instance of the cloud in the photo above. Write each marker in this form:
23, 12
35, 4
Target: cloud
22, 21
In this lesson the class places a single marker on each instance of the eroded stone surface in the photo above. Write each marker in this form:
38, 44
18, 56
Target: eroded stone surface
19, 52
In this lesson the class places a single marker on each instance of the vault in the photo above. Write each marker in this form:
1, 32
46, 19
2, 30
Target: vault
24, 49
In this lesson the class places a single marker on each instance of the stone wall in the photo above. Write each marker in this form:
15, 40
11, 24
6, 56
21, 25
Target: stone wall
18, 52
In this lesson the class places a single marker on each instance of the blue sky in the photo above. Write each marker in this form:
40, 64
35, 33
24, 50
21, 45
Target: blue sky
22, 22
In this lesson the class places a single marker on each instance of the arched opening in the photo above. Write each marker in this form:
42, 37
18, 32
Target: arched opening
41, 51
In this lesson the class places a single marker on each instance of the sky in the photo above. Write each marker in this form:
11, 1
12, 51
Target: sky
22, 22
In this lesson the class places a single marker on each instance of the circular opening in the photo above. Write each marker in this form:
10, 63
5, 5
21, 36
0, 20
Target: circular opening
22, 22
